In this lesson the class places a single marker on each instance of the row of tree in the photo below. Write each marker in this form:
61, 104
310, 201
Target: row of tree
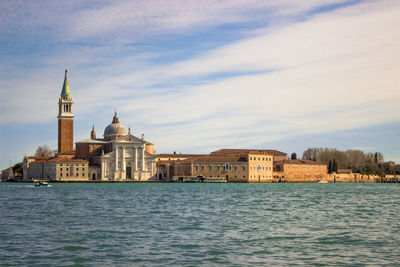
357, 160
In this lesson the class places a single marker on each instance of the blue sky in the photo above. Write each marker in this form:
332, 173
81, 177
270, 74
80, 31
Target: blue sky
195, 76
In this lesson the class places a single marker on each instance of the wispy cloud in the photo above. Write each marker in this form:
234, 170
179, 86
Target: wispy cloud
291, 70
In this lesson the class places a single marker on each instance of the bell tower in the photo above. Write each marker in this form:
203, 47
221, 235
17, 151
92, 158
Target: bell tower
65, 120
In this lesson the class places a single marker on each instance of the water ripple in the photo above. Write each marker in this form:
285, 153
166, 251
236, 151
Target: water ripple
199, 224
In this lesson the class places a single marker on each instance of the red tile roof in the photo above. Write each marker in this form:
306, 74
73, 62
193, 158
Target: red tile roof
55, 159
227, 151
217, 158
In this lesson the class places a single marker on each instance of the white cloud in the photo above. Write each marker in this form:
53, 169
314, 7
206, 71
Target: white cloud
333, 71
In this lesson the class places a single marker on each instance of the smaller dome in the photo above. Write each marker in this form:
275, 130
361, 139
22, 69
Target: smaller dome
114, 130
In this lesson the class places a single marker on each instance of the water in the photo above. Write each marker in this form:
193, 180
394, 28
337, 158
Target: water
200, 224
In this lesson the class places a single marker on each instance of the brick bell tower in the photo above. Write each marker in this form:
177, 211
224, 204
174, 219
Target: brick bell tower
65, 120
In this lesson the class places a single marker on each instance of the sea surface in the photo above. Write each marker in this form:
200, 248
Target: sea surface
176, 224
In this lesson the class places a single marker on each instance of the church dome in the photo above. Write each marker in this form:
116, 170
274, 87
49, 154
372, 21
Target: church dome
114, 130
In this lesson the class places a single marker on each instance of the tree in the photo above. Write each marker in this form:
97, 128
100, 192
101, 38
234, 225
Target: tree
330, 167
17, 169
44, 151
293, 156
334, 166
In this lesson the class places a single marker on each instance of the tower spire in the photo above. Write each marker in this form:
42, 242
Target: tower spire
65, 90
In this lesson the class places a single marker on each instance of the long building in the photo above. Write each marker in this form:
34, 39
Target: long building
232, 165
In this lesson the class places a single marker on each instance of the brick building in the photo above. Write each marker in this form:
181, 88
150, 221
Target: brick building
299, 171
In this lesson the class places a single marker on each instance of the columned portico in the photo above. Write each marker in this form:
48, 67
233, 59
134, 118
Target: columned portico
123, 163
143, 159
136, 156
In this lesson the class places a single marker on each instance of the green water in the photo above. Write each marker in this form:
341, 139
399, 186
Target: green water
200, 224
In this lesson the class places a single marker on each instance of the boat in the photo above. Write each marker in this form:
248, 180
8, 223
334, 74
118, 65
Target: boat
41, 183
323, 181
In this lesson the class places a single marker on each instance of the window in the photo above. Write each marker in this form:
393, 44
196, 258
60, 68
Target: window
61, 174
218, 168
77, 169
197, 168
210, 167
235, 167
250, 158
202, 167
61, 168
244, 168
258, 158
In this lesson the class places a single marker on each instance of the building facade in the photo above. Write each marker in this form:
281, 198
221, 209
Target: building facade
299, 171
233, 165
118, 156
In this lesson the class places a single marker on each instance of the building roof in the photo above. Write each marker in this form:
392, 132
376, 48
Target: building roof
38, 158
216, 158
227, 151
179, 155
93, 141
299, 162
55, 159
65, 90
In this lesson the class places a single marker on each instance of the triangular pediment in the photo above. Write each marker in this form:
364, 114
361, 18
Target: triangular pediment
130, 139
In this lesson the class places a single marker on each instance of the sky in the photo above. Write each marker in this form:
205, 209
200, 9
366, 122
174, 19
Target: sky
196, 76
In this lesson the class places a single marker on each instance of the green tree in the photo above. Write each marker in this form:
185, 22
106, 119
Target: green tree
334, 166
293, 156
330, 167
17, 169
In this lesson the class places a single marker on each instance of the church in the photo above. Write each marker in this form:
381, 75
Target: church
118, 156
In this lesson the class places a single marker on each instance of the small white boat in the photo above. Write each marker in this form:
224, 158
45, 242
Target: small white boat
41, 183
